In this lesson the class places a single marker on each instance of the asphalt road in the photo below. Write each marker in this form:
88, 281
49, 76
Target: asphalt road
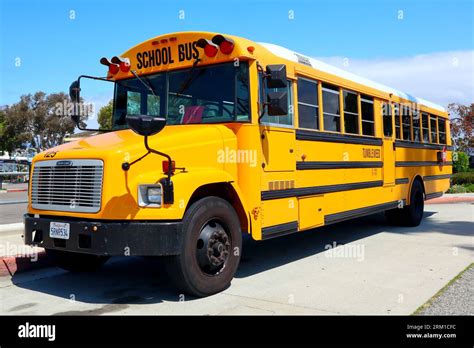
12, 213
377, 269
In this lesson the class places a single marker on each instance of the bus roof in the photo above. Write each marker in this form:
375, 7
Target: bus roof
330, 69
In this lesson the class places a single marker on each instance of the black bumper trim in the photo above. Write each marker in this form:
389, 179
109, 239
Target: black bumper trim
114, 238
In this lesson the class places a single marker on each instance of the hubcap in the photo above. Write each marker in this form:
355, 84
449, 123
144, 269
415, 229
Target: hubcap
213, 248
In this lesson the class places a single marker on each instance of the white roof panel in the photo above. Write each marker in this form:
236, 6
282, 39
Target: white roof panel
319, 65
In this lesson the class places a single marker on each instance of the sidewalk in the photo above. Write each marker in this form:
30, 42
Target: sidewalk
16, 187
17, 257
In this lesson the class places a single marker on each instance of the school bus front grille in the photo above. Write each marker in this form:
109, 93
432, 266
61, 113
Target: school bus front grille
67, 185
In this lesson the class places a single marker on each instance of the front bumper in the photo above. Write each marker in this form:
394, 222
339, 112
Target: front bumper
125, 238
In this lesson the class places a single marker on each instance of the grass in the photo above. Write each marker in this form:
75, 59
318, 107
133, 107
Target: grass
440, 292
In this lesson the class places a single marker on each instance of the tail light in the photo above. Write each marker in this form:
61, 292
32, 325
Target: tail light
123, 63
442, 155
113, 68
226, 45
210, 49
166, 166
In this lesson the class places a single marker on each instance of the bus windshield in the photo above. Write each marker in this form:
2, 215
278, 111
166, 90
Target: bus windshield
209, 94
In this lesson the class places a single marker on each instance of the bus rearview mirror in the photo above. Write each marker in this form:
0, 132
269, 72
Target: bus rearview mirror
146, 125
277, 103
74, 91
276, 76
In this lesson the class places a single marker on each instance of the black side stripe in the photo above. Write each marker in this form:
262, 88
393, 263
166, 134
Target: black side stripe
433, 195
400, 181
338, 165
437, 177
350, 214
421, 163
315, 190
279, 230
412, 145
336, 138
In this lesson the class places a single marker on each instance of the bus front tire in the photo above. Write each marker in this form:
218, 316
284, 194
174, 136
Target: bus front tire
411, 215
211, 248
76, 262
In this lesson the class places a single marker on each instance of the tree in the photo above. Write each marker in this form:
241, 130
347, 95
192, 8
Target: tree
462, 126
104, 117
39, 120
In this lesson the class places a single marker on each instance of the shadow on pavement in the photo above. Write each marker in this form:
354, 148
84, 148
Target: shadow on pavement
135, 280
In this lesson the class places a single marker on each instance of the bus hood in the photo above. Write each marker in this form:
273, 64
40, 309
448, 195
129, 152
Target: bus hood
180, 142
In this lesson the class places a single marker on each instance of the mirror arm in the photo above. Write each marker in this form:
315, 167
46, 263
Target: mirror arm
126, 166
170, 168
264, 76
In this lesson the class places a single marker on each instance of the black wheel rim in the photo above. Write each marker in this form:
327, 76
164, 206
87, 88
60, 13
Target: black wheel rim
213, 247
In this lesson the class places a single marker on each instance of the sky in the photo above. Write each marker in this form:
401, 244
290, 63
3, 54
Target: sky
423, 47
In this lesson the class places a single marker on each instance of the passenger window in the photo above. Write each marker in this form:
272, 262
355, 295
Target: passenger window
284, 120
416, 125
351, 112
331, 108
308, 109
425, 127
442, 130
387, 119
367, 105
406, 123
398, 129
434, 129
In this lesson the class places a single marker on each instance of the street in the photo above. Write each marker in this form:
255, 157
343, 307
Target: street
376, 269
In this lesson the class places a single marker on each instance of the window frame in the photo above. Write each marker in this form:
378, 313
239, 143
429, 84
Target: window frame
416, 111
317, 106
338, 93
344, 112
406, 108
386, 105
363, 99
435, 119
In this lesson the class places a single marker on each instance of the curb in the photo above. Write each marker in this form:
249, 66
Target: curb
17, 190
12, 227
11, 265
449, 200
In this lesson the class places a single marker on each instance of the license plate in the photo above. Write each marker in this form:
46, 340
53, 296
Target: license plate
59, 230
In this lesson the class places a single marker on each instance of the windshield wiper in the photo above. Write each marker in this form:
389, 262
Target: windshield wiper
186, 83
146, 84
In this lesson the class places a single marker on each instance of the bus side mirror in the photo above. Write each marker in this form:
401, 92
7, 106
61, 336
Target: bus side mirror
277, 103
146, 125
74, 91
276, 76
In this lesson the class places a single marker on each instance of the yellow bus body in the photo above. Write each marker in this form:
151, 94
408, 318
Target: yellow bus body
302, 178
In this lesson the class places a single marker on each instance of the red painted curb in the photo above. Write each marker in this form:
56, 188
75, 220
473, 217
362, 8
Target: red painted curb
447, 200
11, 265
17, 190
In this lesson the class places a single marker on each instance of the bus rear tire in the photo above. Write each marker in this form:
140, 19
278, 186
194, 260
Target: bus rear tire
411, 215
211, 248
76, 262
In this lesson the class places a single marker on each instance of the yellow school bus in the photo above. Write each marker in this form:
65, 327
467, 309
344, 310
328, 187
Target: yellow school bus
215, 136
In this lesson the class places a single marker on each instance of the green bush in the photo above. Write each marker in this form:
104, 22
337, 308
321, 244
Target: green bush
463, 178
460, 162
470, 187
457, 189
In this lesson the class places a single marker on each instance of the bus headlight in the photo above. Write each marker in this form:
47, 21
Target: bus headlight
150, 195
